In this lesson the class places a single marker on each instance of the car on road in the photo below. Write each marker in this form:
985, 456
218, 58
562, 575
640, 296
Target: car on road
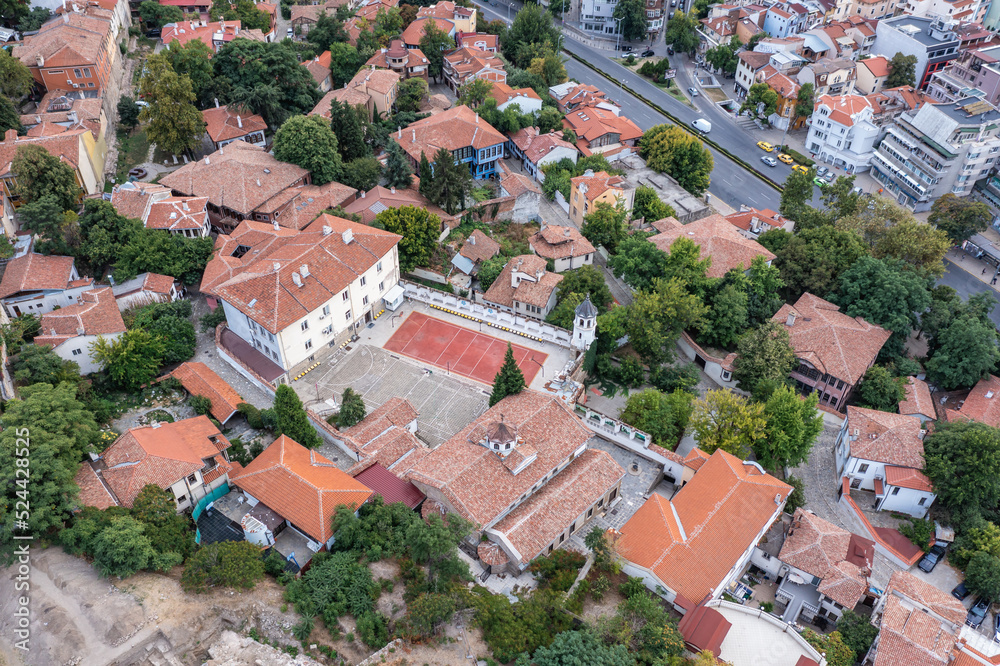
153, 33
819, 182
693, 91
765, 146
800, 168
648, 53
626, 47
701, 125
977, 613
290, 33
787, 159
960, 592
931, 559
829, 177
670, 50
822, 171
769, 161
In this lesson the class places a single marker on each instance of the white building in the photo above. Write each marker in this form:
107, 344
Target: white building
295, 295
35, 283
842, 132
71, 331
884, 453
597, 16
536, 150
565, 247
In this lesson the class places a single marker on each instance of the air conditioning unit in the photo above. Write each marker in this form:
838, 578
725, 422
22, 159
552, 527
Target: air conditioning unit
322, 317
328, 330
76, 85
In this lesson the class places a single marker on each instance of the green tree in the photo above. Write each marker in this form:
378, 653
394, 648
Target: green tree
474, 92
880, 390
490, 270
434, 543
644, 627
128, 111
10, 119
172, 120
968, 353
857, 632
664, 416
509, 379
761, 100
892, 232
426, 614
797, 194
840, 198
982, 576
194, 60
352, 409
169, 254
805, 101
345, 121
327, 30
648, 205
532, 26
45, 216
345, 61
902, 71
670, 149
582, 647
887, 293
982, 538
38, 364
765, 356
682, 32
34, 19
292, 418
960, 218
638, 261
244, 11
433, 44
40, 173
122, 549
167, 530
727, 318
172, 323
59, 430
631, 17
155, 15
363, 173
104, 233
398, 172
426, 174
451, 182
813, 259
419, 229
268, 78
723, 420
723, 57
132, 360
309, 142
225, 564
587, 281
962, 459
792, 425
832, 645
605, 225
411, 94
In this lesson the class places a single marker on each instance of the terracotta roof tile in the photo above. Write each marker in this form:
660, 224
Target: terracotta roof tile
552, 242
908, 635
73, 40
590, 123
369, 79
455, 128
907, 477
768, 217
199, 379
478, 40
475, 480
95, 314
161, 455
132, 199
413, 57
832, 342
65, 146
982, 404
301, 486
350, 96
36, 272
599, 183
918, 399
479, 247
692, 542
93, 492
177, 214
718, 240
877, 65
536, 146
883, 437
415, 31
533, 292
381, 198
546, 514
222, 124
844, 109
390, 487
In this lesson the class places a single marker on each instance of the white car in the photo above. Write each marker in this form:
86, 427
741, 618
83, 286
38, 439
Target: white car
290, 33
769, 161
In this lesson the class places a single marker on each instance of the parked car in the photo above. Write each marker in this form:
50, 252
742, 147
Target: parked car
769, 161
977, 613
822, 171
829, 176
670, 50
931, 559
693, 91
289, 33
765, 146
626, 47
648, 53
800, 168
787, 159
960, 592
153, 33
996, 627
819, 182
857, 190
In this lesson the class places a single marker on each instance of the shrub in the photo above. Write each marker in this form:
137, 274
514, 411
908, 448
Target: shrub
373, 630
210, 321
797, 156
303, 629
919, 532
274, 563
601, 585
251, 414
558, 570
632, 587
200, 404
225, 564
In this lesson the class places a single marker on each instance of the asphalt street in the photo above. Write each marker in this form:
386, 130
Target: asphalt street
967, 285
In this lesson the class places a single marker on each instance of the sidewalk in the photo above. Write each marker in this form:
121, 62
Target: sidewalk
977, 268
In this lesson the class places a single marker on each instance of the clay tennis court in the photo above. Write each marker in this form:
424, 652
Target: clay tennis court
459, 350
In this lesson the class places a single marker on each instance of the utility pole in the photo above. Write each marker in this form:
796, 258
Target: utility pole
618, 27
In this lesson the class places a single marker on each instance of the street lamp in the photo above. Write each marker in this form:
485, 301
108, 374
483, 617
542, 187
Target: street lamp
618, 27
621, 92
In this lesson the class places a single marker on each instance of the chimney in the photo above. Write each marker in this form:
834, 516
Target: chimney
258, 182
184, 205
414, 135
347, 236
39, 60
304, 269
277, 227
216, 102
206, 159
392, 190
791, 319
399, 131
71, 116
472, 240
239, 121
362, 191
296, 279
10, 136
327, 230
155, 424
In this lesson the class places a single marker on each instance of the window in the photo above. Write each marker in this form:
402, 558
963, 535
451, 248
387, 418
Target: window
326, 310
343, 296
77, 74
614, 494
348, 316
364, 280
192, 478
86, 72
863, 468
305, 325
77, 352
381, 287
309, 344
182, 499
364, 301
378, 267
895, 491
90, 84
590, 512
923, 500
562, 537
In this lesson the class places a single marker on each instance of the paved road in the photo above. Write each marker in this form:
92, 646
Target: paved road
967, 285
730, 181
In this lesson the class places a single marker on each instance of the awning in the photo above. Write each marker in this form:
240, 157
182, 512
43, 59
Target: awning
879, 488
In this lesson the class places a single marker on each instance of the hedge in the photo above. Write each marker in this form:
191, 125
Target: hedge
797, 156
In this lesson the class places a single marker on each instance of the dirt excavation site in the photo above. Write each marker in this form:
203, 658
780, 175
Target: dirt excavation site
80, 618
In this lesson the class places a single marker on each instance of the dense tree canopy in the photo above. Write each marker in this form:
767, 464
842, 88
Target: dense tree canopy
765, 356
419, 229
172, 120
724, 420
671, 150
663, 415
292, 418
962, 459
902, 71
40, 173
792, 424
892, 232
309, 142
15, 78
812, 260
960, 218
605, 225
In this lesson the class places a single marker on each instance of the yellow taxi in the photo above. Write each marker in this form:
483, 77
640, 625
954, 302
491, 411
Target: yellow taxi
765, 146
787, 159
800, 168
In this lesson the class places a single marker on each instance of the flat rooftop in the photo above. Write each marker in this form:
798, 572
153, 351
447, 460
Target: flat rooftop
758, 638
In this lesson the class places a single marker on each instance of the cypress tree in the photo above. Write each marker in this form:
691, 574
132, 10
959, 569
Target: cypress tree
292, 419
510, 379
346, 125
397, 167
426, 175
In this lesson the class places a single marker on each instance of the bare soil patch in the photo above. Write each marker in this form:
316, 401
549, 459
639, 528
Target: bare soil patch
609, 602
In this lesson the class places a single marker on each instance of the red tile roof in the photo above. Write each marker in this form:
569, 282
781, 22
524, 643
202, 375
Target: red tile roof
982, 404
768, 217
534, 292
412, 57
301, 486
918, 399
535, 146
390, 487
72, 41
479, 247
877, 65
553, 242
131, 199
503, 93
895, 439
844, 109
718, 240
161, 455
223, 124
455, 128
598, 183
907, 477
908, 635
36, 272
415, 31
260, 283
199, 379
66, 146
93, 492
591, 123
476, 481
693, 541
95, 314
379, 198
478, 40
178, 214
186, 31
829, 340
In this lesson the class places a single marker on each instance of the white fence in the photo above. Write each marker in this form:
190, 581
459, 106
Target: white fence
526, 326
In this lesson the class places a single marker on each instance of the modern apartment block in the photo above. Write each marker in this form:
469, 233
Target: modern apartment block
933, 41
973, 73
937, 149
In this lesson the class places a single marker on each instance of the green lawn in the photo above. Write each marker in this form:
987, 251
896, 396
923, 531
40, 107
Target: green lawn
132, 151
